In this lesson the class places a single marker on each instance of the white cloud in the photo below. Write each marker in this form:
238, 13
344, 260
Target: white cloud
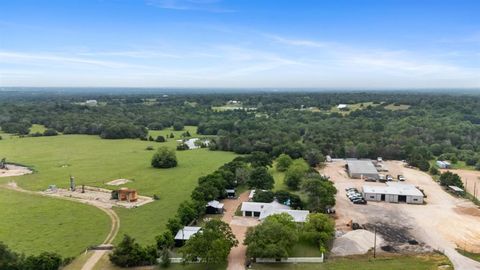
199, 5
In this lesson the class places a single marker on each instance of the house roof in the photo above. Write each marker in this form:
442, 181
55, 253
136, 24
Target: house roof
455, 188
215, 204
361, 167
230, 190
267, 209
394, 189
187, 232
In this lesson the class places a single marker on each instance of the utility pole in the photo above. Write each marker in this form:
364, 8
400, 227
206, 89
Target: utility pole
374, 242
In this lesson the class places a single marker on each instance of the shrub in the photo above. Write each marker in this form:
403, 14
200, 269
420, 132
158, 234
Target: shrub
129, 253
283, 162
164, 158
178, 126
160, 139
451, 179
149, 148
50, 132
434, 171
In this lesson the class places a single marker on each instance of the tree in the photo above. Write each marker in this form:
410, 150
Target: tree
260, 159
128, 253
283, 162
319, 230
164, 158
160, 138
451, 179
260, 178
186, 212
10, 260
434, 171
177, 125
44, 261
295, 173
273, 238
50, 132
263, 196
212, 245
174, 225
165, 240
288, 198
314, 157
321, 193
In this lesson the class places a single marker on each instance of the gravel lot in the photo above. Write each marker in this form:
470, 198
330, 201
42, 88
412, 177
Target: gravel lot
444, 223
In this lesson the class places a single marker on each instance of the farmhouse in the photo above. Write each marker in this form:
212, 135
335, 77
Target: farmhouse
263, 210
394, 193
214, 207
362, 169
184, 234
443, 164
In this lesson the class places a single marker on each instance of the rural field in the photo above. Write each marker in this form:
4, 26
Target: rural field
93, 162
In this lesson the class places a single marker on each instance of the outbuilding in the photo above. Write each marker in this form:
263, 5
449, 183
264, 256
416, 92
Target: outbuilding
184, 234
443, 164
230, 193
214, 207
362, 169
394, 193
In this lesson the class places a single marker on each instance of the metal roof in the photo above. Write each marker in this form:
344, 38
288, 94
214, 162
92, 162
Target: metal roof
361, 167
455, 188
394, 189
215, 204
267, 209
187, 232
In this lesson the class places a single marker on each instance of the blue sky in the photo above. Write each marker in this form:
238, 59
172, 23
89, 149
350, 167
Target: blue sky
243, 43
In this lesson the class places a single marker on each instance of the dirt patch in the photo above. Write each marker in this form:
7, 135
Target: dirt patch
467, 211
97, 196
355, 242
118, 182
14, 170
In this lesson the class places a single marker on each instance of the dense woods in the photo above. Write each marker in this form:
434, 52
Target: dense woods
297, 124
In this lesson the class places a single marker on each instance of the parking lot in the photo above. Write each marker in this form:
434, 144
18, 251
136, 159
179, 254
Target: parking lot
444, 222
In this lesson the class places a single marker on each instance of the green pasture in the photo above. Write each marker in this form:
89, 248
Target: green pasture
94, 162
33, 223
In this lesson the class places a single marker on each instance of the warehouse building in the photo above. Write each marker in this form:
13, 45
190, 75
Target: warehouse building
362, 169
394, 193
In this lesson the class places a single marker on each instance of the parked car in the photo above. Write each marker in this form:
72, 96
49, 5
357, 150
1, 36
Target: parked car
361, 201
368, 179
389, 177
401, 177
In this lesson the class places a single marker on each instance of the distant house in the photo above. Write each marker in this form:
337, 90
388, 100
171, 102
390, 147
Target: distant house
91, 102
184, 234
342, 106
214, 207
263, 210
443, 164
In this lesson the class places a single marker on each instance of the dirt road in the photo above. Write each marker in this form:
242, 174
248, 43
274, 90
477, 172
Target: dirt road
239, 225
444, 222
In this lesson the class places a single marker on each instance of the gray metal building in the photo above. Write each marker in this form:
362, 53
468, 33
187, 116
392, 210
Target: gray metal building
394, 193
362, 169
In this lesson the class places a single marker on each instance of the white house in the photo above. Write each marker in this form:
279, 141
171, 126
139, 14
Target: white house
263, 210
342, 106
393, 192
91, 102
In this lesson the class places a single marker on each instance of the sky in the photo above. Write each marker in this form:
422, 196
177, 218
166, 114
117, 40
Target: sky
377, 44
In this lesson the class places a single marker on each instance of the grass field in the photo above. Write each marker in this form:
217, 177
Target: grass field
421, 262
93, 161
33, 224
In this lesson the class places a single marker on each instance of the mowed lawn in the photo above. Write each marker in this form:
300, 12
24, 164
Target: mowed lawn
32, 224
94, 161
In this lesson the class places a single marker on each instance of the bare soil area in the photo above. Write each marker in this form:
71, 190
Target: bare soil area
118, 182
470, 179
444, 222
97, 196
14, 170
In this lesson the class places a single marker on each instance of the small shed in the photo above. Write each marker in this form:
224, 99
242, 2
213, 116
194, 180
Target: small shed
456, 190
230, 193
184, 234
443, 164
125, 194
214, 207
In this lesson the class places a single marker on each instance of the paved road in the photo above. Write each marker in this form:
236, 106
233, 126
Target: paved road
239, 225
